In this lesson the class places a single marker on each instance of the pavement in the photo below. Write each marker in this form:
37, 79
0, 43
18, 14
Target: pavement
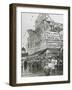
40, 73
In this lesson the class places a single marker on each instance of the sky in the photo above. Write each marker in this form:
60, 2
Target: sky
28, 22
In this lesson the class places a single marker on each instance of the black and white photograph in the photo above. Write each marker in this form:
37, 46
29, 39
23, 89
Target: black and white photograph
41, 44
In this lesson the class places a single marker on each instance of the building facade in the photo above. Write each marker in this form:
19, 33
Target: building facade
46, 35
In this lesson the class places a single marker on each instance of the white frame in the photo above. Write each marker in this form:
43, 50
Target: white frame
64, 77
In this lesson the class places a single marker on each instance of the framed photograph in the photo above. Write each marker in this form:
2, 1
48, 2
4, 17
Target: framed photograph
39, 44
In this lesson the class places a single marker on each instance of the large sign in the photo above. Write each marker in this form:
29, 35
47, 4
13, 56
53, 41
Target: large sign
51, 36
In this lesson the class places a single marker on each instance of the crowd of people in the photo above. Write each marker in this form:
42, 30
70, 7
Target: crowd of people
53, 66
49, 65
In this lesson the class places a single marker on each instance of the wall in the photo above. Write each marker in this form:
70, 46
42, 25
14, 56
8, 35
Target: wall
4, 45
